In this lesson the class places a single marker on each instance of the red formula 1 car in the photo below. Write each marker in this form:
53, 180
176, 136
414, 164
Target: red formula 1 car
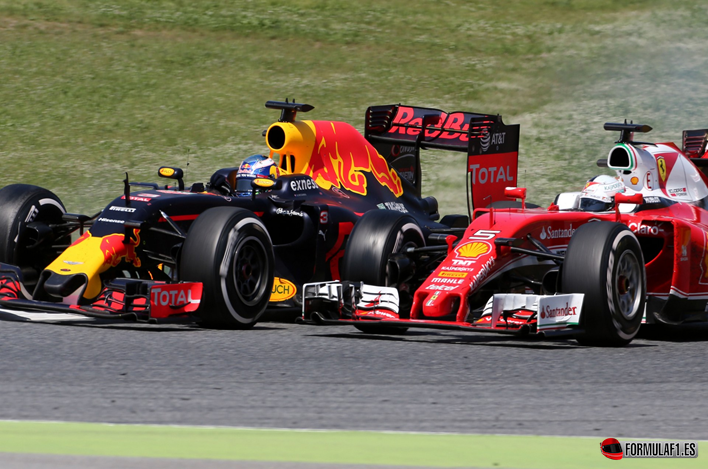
594, 265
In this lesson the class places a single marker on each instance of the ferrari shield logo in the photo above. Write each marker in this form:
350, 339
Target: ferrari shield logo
662, 168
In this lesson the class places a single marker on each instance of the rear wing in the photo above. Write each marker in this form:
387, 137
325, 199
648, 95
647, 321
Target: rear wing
399, 133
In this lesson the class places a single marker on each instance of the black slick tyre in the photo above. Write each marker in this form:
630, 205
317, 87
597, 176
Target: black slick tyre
604, 261
230, 251
375, 237
27, 240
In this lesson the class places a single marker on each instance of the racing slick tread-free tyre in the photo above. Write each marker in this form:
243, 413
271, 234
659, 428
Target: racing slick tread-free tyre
229, 250
377, 235
604, 261
21, 204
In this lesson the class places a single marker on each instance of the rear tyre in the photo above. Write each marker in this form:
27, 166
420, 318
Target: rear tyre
375, 237
604, 261
27, 237
229, 250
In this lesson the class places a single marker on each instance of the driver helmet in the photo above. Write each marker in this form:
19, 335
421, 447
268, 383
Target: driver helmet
599, 193
253, 167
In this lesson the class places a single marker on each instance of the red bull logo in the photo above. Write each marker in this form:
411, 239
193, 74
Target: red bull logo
454, 121
115, 250
341, 156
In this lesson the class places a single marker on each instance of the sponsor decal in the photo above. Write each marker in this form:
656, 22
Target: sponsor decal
482, 274
490, 174
652, 200
407, 173
167, 172
559, 311
378, 313
175, 299
454, 281
150, 195
73, 262
137, 198
649, 181
455, 268
171, 297
304, 184
111, 220
454, 121
432, 299
115, 208
460, 263
549, 233
473, 250
641, 228
288, 212
661, 163
634, 180
440, 287
551, 312
488, 139
678, 191
452, 274
397, 206
283, 289
264, 183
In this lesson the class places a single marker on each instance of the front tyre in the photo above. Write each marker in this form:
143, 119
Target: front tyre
604, 261
229, 250
29, 239
377, 236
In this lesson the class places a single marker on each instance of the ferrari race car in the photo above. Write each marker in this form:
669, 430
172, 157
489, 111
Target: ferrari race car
224, 252
594, 265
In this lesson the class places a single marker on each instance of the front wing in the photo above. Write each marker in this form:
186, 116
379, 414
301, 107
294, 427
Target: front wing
123, 298
347, 303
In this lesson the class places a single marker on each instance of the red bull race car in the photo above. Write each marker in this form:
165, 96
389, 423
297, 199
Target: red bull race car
222, 253
594, 265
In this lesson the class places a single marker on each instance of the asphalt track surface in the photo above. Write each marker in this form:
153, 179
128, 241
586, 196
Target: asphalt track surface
282, 375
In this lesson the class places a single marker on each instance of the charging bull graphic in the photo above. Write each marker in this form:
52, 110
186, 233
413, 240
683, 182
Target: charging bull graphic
333, 153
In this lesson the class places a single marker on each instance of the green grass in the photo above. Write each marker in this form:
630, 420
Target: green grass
91, 89
324, 447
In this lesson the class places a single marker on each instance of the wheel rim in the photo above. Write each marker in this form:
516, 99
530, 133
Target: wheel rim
628, 282
250, 273
38, 258
405, 288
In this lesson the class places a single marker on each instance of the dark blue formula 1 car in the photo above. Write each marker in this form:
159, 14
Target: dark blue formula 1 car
224, 252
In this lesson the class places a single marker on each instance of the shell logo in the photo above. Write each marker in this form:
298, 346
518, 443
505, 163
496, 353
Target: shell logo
473, 250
